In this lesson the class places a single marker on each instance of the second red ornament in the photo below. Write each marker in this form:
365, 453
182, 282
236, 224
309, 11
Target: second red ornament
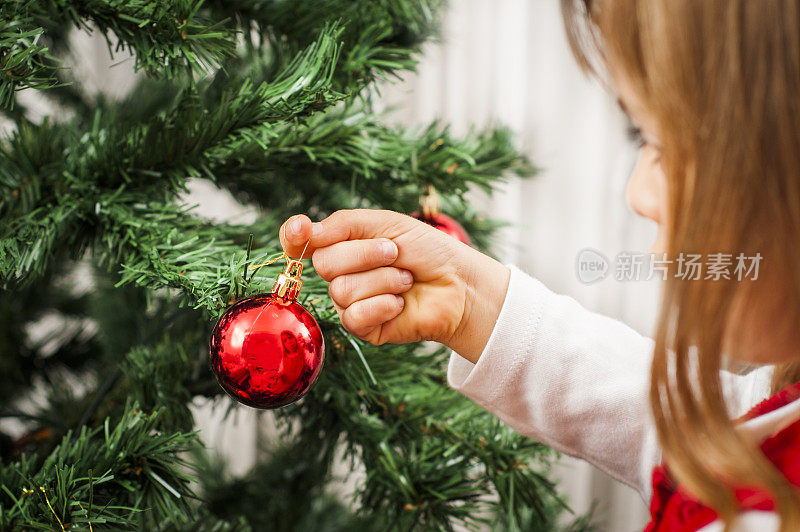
430, 213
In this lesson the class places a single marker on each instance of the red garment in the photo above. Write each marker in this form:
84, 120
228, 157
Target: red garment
674, 510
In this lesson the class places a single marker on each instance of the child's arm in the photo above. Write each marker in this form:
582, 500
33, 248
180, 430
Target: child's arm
576, 380
548, 367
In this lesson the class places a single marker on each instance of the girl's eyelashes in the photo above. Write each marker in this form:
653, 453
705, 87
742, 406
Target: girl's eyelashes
635, 136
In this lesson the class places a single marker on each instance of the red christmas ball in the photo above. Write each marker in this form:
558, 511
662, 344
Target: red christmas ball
446, 224
267, 351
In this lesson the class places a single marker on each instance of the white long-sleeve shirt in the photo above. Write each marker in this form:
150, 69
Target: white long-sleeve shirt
578, 382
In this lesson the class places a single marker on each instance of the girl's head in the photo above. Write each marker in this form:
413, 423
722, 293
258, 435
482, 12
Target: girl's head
714, 87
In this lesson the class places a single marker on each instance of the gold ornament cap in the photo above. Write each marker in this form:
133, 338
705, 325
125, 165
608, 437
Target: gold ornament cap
429, 202
288, 283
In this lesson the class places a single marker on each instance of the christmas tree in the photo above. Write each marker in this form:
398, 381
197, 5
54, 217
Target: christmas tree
271, 101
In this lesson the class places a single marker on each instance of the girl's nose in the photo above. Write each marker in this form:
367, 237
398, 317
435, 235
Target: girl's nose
643, 193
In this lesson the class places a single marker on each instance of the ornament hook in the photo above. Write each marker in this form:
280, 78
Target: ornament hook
270, 261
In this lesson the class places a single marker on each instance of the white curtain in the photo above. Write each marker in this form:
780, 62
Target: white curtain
508, 61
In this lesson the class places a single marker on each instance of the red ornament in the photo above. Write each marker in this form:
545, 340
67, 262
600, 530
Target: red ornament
446, 224
267, 350
430, 213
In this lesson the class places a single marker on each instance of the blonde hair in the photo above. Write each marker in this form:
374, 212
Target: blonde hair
722, 79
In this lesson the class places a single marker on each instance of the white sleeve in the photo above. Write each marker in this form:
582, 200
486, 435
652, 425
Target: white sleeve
751, 521
574, 380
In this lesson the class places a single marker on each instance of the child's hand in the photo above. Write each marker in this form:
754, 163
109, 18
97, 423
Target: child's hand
396, 279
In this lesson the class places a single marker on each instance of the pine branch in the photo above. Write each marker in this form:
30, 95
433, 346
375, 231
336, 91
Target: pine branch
166, 38
344, 152
121, 475
347, 151
432, 457
168, 145
162, 378
290, 485
23, 358
380, 40
172, 147
24, 63
204, 263
169, 38
49, 202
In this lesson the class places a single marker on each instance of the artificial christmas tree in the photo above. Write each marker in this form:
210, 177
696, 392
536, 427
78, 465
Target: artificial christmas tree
270, 100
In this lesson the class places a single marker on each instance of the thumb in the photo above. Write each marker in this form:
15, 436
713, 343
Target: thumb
294, 234
356, 224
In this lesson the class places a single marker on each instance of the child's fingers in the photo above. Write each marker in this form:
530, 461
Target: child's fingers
349, 288
353, 256
362, 317
294, 234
